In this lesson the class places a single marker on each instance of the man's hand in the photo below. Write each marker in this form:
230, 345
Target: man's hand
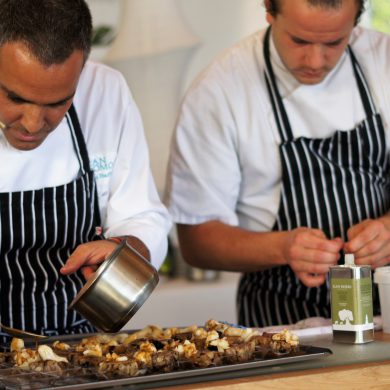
310, 254
369, 241
87, 257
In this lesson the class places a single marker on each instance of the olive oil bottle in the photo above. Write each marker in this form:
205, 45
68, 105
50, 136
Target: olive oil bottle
351, 302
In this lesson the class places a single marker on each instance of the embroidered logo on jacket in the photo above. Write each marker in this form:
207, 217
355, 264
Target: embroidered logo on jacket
102, 166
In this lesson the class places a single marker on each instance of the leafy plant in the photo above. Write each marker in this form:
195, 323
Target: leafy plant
102, 35
380, 14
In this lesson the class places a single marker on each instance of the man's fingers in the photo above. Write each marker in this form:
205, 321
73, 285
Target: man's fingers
367, 233
313, 261
313, 268
312, 239
88, 254
72, 265
311, 280
88, 271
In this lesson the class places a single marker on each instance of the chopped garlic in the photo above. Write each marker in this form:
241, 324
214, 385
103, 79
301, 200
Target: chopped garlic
46, 353
294, 341
122, 359
116, 358
17, 344
94, 350
216, 325
234, 332
26, 356
286, 335
145, 357
189, 349
221, 344
147, 347
212, 335
61, 346
191, 329
200, 333
179, 349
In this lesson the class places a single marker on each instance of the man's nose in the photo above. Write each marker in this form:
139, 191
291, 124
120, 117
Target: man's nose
33, 118
315, 57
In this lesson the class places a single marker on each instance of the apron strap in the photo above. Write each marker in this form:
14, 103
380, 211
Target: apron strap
78, 139
276, 100
82, 155
368, 101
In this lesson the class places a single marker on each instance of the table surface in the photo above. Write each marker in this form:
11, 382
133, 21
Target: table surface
350, 367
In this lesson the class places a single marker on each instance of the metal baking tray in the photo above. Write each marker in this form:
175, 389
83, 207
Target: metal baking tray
80, 378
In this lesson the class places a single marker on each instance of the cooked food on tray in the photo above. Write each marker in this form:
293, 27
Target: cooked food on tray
154, 349
43, 358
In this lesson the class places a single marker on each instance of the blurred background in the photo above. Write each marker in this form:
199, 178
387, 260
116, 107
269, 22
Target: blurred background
160, 46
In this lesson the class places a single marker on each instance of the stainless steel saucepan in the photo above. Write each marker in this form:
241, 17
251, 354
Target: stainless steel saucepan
117, 290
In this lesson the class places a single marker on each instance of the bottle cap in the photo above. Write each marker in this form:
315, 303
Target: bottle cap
349, 259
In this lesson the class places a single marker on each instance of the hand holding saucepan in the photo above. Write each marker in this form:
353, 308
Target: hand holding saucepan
88, 256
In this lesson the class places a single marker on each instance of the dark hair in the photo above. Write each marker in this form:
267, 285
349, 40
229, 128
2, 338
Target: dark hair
51, 29
273, 6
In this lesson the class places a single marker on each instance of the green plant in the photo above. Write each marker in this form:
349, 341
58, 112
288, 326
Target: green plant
380, 15
102, 35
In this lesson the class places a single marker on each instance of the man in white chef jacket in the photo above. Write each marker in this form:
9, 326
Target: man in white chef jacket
280, 159
74, 166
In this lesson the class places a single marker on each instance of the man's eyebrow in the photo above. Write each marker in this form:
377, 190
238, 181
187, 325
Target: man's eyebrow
14, 95
301, 40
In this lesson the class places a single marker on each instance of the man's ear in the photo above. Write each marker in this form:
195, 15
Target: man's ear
268, 16
267, 6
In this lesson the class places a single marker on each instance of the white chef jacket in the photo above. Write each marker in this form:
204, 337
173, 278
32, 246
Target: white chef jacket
113, 131
225, 163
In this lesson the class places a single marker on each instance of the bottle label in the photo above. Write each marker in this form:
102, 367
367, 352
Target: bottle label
352, 304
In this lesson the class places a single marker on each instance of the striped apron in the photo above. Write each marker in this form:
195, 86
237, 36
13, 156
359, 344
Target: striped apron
39, 230
329, 184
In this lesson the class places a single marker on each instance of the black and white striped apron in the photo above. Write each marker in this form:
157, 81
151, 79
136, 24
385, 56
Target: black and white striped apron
39, 230
329, 184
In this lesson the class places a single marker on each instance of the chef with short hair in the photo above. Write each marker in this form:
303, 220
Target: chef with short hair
74, 166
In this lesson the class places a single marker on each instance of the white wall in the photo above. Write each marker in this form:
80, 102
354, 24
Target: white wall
158, 80
219, 24
105, 11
